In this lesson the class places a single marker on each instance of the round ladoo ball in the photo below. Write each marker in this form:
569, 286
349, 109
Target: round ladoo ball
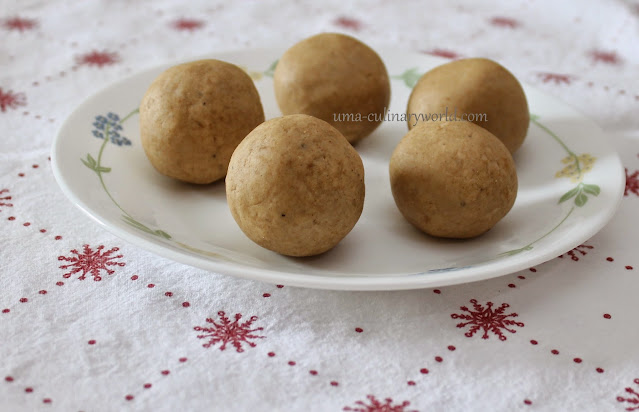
194, 115
474, 87
452, 179
295, 186
335, 78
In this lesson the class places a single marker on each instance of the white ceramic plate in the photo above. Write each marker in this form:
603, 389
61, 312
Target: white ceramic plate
112, 181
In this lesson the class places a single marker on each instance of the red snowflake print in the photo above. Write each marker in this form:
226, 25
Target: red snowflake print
605, 57
19, 24
579, 249
487, 319
348, 23
375, 405
3, 199
632, 399
632, 183
555, 78
11, 100
99, 59
187, 24
443, 53
92, 262
227, 331
505, 22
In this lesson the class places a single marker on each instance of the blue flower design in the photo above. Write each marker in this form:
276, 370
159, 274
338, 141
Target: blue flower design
113, 121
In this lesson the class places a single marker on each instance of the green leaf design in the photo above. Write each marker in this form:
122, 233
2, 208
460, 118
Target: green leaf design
87, 164
512, 252
517, 251
144, 228
591, 189
581, 199
90, 162
410, 77
103, 169
163, 234
136, 224
580, 192
534, 117
569, 194
271, 69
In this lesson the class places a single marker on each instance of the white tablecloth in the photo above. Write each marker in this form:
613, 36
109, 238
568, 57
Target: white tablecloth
157, 335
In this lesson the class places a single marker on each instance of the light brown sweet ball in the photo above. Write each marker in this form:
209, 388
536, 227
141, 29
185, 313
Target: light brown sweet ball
295, 186
331, 74
474, 86
194, 115
452, 179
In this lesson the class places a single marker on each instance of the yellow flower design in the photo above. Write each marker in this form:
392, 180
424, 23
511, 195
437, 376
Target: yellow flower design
577, 166
253, 74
